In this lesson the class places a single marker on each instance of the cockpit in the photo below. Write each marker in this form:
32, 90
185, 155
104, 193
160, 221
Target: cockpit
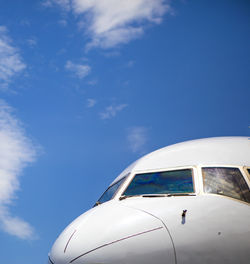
232, 182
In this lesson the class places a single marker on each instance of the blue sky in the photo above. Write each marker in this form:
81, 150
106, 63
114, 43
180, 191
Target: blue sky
87, 87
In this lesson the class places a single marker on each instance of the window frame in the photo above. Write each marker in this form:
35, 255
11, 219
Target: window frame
247, 173
133, 174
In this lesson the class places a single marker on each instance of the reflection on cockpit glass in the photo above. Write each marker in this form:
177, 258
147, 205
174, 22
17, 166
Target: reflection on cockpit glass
110, 192
226, 181
164, 182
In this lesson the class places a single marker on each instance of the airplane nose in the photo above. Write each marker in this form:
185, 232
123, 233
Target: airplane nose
112, 234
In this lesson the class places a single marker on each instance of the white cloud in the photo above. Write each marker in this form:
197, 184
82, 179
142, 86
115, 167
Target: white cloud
90, 102
65, 4
16, 226
11, 62
111, 111
113, 22
16, 152
80, 70
137, 138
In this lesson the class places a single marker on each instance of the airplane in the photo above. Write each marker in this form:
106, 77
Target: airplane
184, 203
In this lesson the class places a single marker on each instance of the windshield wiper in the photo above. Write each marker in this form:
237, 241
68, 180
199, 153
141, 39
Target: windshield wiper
129, 196
141, 195
164, 195
156, 195
181, 194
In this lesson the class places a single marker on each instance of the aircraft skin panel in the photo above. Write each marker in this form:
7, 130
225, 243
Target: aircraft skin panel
209, 151
110, 233
215, 229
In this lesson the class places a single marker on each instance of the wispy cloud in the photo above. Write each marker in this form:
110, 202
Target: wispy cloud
80, 70
25, 22
16, 152
11, 62
32, 42
63, 22
137, 138
93, 82
130, 64
90, 103
111, 111
111, 22
65, 4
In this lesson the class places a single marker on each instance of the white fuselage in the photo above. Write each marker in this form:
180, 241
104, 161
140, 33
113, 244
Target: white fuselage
196, 228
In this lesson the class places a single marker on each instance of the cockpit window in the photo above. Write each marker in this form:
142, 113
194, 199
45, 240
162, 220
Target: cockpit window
164, 182
110, 192
226, 181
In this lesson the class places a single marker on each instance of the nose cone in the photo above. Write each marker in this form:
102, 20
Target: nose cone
112, 234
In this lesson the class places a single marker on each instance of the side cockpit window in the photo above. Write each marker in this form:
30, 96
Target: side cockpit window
164, 182
111, 191
226, 181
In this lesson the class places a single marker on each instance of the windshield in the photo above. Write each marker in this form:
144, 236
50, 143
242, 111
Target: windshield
164, 182
110, 192
226, 181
